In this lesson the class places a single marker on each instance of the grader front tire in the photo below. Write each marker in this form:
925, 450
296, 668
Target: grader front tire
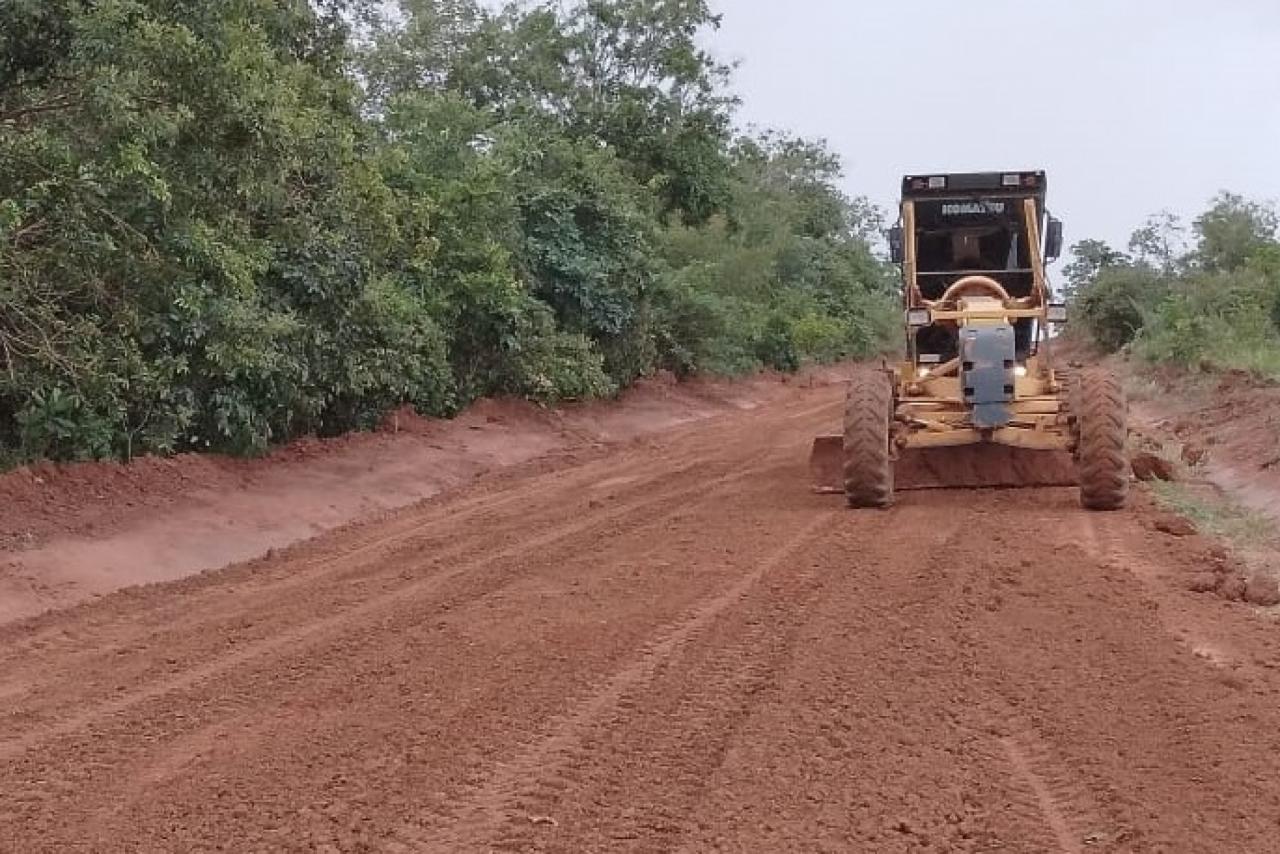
868, 466
1101, 419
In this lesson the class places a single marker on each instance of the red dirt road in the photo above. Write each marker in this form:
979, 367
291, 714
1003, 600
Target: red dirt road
671, 646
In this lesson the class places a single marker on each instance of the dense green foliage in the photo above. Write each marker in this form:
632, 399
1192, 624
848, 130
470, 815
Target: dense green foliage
1212, 305
224, 223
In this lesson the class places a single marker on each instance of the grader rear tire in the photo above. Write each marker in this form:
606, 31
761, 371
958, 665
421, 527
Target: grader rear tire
1101, 419
868, 467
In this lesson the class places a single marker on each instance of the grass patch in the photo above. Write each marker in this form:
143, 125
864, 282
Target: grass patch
1217, 514
1140, 388
1261, 360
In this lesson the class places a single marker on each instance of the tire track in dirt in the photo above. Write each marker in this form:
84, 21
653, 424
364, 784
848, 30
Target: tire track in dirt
407, 538
711, 660
711, 494
157, 722
1205, 639
382, 542
1083, 656
730, 482
1046, 800
1044, 791
802, 770
1038, 794
711, 490
402, 555
678, 746
314, 631
772, 639
660, 752
1055, 794
539, 772
949, 584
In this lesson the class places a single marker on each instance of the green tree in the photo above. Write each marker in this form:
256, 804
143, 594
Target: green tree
790, 265
1117, 302
224, 223
196, 239
1231, 230
1217, 307
1160, 243
417, 46
626, 74
1089, 258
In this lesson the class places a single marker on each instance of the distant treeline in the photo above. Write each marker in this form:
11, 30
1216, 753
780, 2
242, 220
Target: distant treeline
1205, 298
225, 223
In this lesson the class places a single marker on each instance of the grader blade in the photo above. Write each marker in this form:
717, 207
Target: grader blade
963, 467
985, 465
826, 463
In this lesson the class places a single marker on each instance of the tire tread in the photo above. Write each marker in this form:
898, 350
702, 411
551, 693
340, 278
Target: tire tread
868, 465
1102, 422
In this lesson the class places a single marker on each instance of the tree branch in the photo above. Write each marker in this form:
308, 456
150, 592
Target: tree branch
27, 231
15, 116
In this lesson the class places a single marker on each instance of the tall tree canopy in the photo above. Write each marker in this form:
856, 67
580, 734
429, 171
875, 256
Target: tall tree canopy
224, 223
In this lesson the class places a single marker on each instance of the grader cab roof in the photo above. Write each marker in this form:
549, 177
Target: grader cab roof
974, 184
950, 202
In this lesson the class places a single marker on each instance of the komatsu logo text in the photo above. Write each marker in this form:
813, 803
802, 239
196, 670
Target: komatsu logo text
962, 208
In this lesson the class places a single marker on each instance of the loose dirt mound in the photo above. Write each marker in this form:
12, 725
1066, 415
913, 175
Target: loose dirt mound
1147, 465
1229, 428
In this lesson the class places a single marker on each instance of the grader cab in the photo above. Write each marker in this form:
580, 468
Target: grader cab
979, 400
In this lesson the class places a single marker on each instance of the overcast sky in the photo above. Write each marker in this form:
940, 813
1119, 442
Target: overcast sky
1132, 106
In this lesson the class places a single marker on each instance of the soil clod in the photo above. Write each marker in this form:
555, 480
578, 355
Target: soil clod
1149, 466
1174, 525
1262, 590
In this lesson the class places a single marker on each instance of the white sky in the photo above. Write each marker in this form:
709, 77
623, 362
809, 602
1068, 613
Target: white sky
1132, 106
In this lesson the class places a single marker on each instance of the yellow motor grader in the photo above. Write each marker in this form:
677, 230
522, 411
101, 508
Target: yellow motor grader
979, 400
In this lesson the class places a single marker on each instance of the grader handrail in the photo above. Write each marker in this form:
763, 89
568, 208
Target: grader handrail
957, 289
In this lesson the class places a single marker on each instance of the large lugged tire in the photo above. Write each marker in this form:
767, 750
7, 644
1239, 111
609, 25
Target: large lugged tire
1102, 424
868, 413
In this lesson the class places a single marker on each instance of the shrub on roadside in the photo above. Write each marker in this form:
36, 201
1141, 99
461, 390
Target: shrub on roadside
1215, 321
1114, 306
1214, 306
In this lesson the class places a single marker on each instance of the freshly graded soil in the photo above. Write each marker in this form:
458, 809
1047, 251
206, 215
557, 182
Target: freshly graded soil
662, 645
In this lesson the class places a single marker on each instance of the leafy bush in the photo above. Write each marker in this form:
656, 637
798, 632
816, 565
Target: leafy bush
1216, 307
1216, 321
60, 424
1114, 306
223, 225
